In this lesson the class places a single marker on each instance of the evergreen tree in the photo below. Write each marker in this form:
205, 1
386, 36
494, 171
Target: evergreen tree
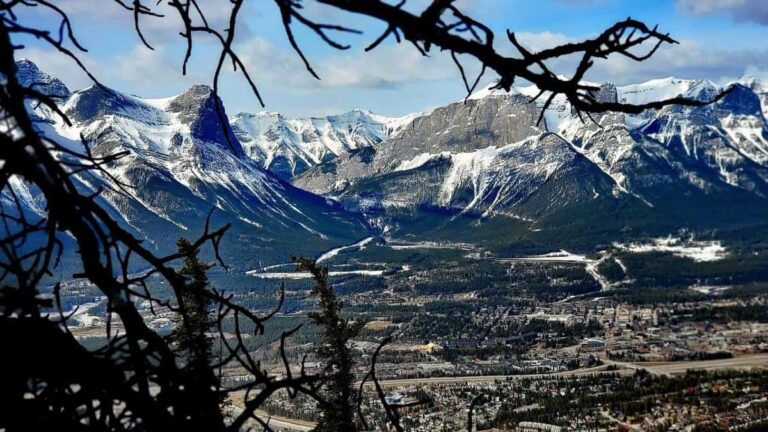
335, 352
189, 335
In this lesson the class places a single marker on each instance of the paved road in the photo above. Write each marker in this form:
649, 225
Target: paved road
659, 368
280, 423
746, 362
493, 378
277, 423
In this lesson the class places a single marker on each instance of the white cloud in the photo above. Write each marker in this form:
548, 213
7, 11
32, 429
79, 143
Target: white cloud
157, 30
700, 7
740, 10
688, 59
60, 66
139, 71
388, 66
757, 72
154, 73
542, 40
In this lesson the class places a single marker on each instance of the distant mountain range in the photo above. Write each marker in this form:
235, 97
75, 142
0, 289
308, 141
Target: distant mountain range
482, 170
702, 168
290, 146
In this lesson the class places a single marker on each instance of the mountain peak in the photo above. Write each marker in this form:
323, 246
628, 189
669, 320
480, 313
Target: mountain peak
30, 75
197, 107
741, 99
756, 84
490, 90
608, 93
186, 103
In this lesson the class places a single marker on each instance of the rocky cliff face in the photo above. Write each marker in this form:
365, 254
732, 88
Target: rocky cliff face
457, 128
197, 108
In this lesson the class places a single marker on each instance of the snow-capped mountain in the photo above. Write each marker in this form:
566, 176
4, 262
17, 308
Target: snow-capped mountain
488, 156
180, 163
708, 149
485, 155
486, 160
290, 146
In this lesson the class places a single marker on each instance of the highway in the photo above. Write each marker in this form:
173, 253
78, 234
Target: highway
747, 362
275, 422
281, 423
492, 378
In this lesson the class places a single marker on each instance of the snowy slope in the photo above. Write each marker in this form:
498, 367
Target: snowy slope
456, 128
760, 89
665, 88
482, 157
501, 179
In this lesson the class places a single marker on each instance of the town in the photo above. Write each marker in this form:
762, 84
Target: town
614, 362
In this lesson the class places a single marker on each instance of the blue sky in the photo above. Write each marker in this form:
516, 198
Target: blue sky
720, 40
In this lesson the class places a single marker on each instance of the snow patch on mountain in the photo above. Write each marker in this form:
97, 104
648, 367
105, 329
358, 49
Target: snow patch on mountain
420, 160
494, 174
665, 88
699, 251
344, 249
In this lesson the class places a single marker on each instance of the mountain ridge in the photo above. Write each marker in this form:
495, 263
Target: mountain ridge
289, 146
477, 163
676, 161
